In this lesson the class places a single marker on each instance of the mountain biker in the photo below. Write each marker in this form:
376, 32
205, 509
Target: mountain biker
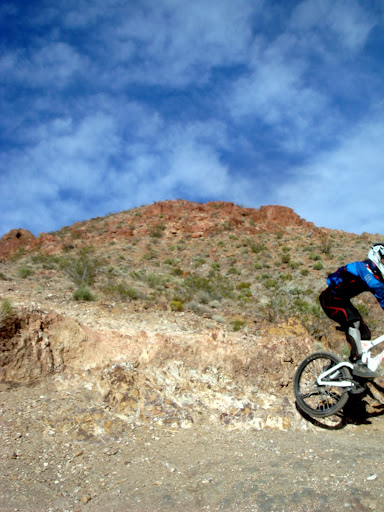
346, 283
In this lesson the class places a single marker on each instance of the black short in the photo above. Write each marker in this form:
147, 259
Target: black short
341, 310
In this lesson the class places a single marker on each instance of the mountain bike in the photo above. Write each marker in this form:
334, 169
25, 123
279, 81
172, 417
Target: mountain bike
323, 381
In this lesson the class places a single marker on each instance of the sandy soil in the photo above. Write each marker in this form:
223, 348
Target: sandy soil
49, 463
146, 469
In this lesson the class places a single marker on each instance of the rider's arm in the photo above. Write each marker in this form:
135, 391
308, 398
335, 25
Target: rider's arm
373, 283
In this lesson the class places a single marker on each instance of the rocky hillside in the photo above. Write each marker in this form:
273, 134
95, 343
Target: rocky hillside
146, 363
174, 312
217, 260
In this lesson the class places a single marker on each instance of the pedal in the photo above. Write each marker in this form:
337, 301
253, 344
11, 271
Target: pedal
357, 388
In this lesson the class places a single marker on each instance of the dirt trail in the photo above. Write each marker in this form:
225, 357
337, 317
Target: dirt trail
55, 457
205, 467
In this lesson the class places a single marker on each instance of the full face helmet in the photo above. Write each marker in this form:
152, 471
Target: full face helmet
375, 254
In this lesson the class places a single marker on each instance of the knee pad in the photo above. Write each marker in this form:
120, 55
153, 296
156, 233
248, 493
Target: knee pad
354, 338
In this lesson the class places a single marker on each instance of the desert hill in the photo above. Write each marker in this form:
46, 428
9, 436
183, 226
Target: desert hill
170, 317
173, 217
202, 293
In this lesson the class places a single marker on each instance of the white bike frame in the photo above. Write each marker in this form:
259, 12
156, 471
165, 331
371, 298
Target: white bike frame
373, 362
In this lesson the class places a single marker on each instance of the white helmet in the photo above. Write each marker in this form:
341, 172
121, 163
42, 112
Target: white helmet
375, 254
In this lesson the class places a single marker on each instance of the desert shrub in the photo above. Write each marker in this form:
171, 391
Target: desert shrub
318, 266
301, 306
171, 261
157, 231
3, 277
122, 291
176, 305
270, 283
285, 258
24, 271
223, 288
195, 283
273, 308
256, 248
138, 275
325, 246
47, 261
245, 295
178, 272
237, 324
6, 308
202, 297
245, 292
157, 281
243, 285
197, 262
314, 322
150, 255
304, 271
216, 286
83, 293
81, 269
199, 309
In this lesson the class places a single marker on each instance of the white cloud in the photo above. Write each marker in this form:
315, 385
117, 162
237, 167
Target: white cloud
278, 93
70, 166
344, 19
341, 188
54, 64
179, 43
65, 159
108, 107
293, 79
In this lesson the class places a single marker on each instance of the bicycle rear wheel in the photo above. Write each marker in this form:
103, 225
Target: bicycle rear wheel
317, 400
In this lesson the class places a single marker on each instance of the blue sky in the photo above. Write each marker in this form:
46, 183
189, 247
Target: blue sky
110, 104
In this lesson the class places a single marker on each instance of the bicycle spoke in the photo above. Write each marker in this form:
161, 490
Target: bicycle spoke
320, 399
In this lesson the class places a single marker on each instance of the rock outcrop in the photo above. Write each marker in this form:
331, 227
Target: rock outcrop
176, 378
14, 240
168, 218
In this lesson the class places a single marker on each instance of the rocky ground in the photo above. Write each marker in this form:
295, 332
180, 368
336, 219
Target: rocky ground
75, 439
143, 468
129, 405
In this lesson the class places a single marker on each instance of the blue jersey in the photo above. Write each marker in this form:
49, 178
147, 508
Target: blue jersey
355, 278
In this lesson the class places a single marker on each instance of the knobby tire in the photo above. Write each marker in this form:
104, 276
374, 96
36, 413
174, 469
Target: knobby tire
313, 399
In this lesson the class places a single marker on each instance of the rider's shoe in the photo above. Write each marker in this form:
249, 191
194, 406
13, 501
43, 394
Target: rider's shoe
357, 388
361, 370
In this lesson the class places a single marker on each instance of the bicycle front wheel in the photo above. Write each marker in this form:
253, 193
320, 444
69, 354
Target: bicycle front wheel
317, 400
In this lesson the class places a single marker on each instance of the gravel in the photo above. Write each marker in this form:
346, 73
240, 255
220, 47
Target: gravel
45, 468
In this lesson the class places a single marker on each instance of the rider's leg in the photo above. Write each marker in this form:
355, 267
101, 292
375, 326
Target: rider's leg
354, 338
341, 310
